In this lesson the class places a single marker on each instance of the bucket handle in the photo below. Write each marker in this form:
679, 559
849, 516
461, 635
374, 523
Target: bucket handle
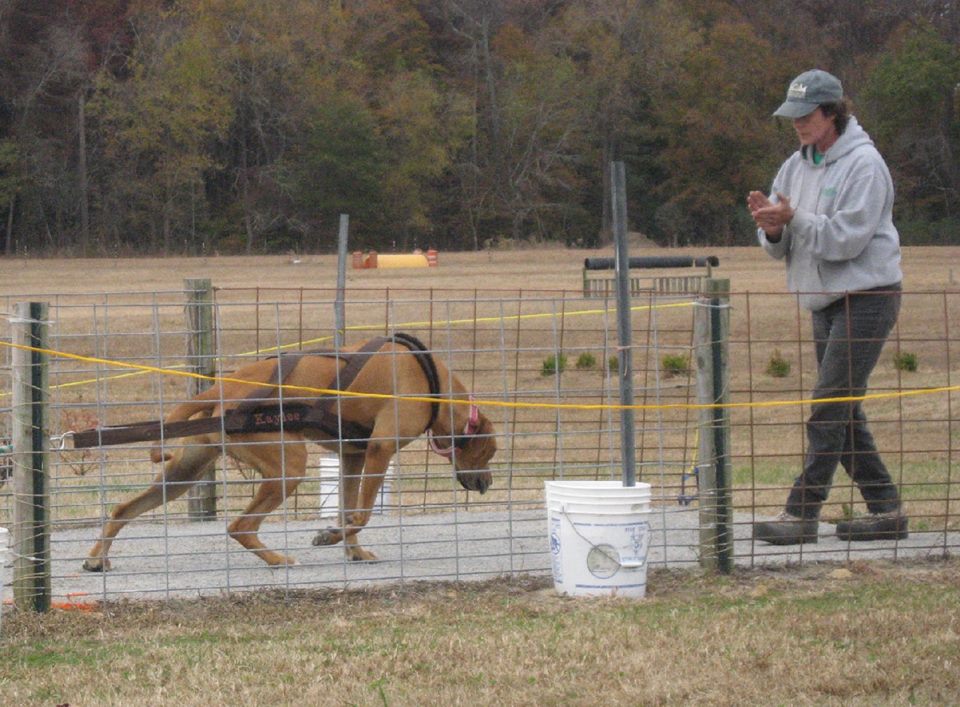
628, 565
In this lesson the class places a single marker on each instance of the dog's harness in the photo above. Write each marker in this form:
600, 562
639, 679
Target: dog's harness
259, 414
322, 414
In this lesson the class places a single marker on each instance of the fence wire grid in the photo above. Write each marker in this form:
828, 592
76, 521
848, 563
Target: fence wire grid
543, 366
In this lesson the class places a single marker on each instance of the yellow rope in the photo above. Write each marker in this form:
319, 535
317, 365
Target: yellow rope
494, 403
143, 370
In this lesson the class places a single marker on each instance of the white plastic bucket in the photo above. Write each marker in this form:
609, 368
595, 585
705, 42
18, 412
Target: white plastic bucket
599, 534
330, 487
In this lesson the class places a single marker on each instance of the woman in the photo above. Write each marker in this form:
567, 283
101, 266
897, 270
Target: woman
830, 219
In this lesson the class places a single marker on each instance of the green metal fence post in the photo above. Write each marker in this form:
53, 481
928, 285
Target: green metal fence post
31, 512
711, 334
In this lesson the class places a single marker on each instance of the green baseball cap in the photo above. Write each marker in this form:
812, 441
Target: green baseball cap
809, 90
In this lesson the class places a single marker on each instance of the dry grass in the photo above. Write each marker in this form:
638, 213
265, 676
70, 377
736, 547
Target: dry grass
136, 297
145, 296
864, 634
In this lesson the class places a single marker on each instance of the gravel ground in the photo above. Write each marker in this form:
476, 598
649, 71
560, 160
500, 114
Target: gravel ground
152, 560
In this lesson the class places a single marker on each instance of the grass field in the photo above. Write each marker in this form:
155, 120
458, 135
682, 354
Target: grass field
145, 295
864, 633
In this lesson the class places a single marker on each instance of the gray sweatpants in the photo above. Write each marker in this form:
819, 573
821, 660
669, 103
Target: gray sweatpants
849, 335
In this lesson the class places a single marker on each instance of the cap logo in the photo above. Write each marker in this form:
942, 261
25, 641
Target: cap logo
797, 91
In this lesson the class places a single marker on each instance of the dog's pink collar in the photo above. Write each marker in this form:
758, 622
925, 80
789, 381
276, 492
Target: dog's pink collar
469, 429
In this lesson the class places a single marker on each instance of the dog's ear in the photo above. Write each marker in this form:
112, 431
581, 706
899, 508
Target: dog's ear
483, 445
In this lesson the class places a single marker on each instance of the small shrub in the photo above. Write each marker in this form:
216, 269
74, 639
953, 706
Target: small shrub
613, 364
553, 364
778, 366
586, 361
905, 361
675, 364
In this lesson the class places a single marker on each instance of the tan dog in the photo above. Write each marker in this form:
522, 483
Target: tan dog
391, 369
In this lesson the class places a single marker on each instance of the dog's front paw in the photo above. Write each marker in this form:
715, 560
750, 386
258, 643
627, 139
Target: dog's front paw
277, 560
329, 536
358, 554
96, 564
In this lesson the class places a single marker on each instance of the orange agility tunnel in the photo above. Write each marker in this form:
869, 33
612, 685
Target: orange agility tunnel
416, 259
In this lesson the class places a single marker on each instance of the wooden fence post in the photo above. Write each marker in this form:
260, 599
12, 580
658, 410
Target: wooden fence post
202, 497
31, 511
711, 346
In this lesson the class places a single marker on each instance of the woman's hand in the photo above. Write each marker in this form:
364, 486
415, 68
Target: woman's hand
768, 215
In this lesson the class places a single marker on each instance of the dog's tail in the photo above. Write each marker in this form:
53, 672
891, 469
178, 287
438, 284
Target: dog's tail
205, 402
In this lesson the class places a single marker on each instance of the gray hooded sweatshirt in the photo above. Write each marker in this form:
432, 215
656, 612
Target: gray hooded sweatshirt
841, 238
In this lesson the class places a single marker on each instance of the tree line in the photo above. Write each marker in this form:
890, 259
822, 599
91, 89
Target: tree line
248, 126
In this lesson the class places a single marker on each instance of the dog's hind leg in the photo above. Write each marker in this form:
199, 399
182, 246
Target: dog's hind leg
283, 466
359, 497
350, 480
351, 470
178, 474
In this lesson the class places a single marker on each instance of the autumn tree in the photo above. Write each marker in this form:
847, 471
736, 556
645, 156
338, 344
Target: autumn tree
50, 52
335, 108
43, 63
156, 126
912, 104
421, 124
720, 139
238, 126
627, 56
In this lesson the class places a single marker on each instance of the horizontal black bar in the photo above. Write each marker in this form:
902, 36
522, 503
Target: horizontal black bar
266, 418
653, 261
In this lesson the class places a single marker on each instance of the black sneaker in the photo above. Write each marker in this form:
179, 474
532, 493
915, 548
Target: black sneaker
874, 526
786, 529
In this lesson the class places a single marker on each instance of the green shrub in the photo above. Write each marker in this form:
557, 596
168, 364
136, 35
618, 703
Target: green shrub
586, 361
553, 364
778, 366
613, 364
675, 364
905, 361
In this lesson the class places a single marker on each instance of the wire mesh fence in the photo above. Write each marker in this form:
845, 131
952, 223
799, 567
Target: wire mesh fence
542, 365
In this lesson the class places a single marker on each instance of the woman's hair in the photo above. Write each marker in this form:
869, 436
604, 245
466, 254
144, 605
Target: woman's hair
839, 111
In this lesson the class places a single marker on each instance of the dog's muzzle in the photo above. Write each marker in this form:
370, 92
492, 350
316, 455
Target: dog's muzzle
475, 480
